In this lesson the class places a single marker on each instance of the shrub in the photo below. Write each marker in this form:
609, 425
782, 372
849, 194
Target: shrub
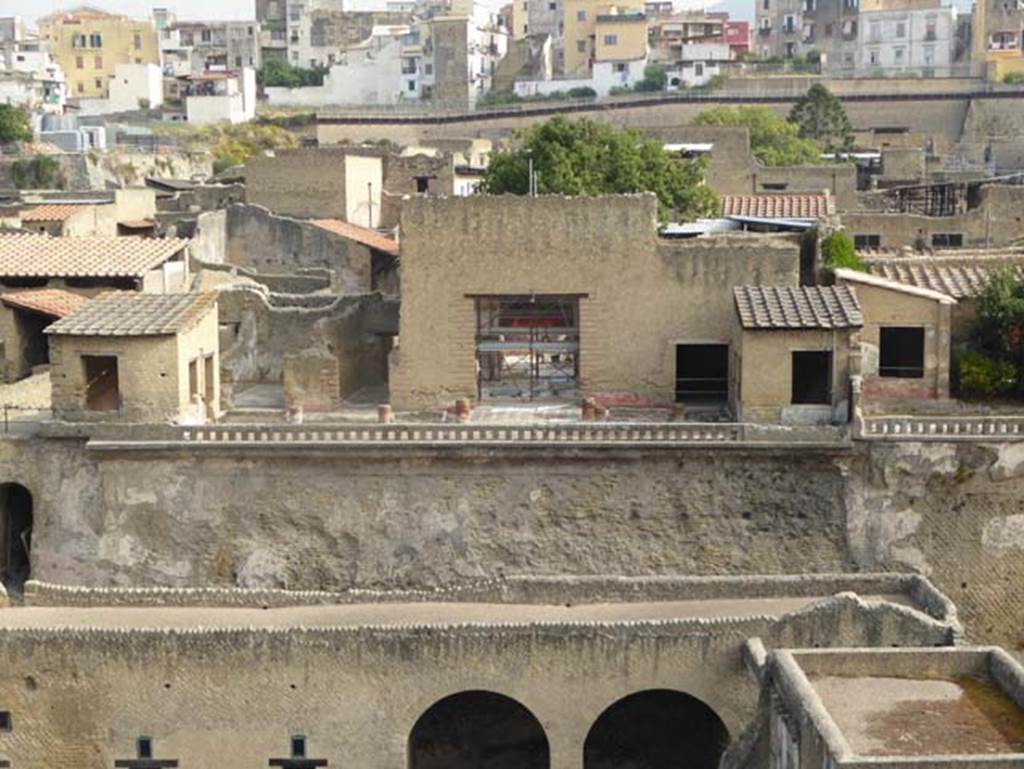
983, 377
1013, 78
837, 252
583, 92
39, 173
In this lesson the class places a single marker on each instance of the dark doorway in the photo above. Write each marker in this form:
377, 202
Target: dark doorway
15, 535
478, 730
702, 373
901, 352
656, 729
812, 377
102, 390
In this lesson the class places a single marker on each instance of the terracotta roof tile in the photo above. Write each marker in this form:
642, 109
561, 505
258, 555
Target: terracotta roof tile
125, 313
55, 302
779, 206
42, 256
957, 277
363, 235
51, 212
789, 307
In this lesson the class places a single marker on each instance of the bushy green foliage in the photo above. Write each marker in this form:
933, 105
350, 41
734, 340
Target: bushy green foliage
999, 322
1013, 78
14, 125
837, 252
231, 145
39, 173
655, 79
581, 157
277, 73
820, 116
982, 376
773, 140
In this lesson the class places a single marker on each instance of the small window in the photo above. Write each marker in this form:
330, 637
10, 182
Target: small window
552, 6
901, 352
95, 40
193, 379
102, 390
411, 85
422, 184
611, 39
299, 746
97, 62
901, 29
5, 721
581, 15
947, 240
79, 62
80, 87
137, 41
774, 186
581, 46
98, 82
144, 747
867, 241
812, 377
238, 61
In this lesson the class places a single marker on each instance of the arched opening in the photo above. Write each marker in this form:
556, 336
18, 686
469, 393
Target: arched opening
478, 730
15, 535
656, 729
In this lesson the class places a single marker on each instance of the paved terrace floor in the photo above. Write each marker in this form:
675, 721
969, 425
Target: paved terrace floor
427, 613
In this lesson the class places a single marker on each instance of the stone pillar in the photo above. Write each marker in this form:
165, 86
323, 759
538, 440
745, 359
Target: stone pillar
943, 350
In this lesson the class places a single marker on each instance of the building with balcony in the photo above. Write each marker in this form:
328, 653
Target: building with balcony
603, 31
218, 97
905, 38
997, 47
30, 76
791, 28
88, 44
210, 46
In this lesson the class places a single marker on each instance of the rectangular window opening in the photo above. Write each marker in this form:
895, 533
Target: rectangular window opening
947, 240
901, 352
144, 747
812, 377
102, 390
702, 373
298, 746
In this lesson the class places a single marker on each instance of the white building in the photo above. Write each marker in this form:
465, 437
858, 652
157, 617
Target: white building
30, 76
697, 64
909, 40
136, 86
218, 97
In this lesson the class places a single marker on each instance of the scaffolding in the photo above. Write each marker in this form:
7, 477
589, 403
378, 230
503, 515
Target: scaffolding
527, 346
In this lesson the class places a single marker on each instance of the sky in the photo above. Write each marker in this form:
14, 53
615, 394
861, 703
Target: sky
30, 10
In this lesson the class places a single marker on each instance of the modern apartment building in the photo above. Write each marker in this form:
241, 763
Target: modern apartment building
88, 44
599, 31
901, 37
790, 28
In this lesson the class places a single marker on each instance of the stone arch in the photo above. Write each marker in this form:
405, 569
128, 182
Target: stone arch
656, 729
478, 729
15, 535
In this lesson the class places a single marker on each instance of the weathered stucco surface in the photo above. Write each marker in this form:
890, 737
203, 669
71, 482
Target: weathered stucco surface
397, 517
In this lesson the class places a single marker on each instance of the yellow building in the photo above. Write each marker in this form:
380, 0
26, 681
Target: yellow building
997, 39
599, 31
89, 43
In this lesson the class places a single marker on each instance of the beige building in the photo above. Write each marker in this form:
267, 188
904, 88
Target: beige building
600, 31
89, 43
23, 317
791, 353
130, 212
137, 358
905, 341
523, 298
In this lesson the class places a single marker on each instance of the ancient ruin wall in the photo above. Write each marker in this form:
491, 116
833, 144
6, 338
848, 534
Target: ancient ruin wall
414, 518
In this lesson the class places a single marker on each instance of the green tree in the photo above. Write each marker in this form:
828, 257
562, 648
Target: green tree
837, 251
655, 79
999, 322
581, 157
14, 125
280, 74
820, 116
773, 140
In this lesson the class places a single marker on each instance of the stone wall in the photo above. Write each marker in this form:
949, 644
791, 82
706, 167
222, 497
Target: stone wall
640, 295
235, 695
411, 517
265, 242
265, 335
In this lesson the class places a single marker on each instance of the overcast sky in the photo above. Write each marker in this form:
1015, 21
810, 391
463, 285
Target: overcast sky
30, 10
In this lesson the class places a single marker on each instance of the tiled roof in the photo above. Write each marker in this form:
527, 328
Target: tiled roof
50, 212
959, 278
779, 206
55, 302
784, 307
42, 256
125, 313
363, 235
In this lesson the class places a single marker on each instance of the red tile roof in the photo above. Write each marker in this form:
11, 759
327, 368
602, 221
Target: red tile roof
50, 212
779, 206
363, 235
28, 254
55, 302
